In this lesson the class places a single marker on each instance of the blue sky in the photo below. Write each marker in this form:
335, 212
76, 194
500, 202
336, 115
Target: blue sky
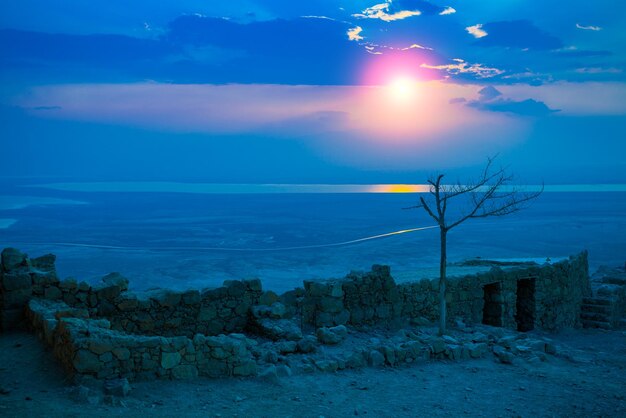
324, 91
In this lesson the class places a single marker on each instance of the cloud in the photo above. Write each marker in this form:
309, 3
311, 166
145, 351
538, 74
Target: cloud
383, 12
476, 31
457, 100
461, 67
362, 124
354, 34
599, 70
592, 28
447, 11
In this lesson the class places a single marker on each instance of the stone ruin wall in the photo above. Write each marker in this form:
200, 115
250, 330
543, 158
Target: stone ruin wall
374, 297
106, 331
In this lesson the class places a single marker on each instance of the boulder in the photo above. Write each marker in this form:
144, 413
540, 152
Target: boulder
116, 279
169, 360
13, 258
117, 387
504, 356
332, 335
376, 358
307, 344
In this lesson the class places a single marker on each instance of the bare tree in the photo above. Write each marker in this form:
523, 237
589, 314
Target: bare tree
492, 194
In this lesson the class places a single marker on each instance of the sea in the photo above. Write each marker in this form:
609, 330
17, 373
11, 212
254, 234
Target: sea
196, 235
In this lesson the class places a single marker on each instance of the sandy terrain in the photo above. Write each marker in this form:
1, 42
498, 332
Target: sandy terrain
587, 378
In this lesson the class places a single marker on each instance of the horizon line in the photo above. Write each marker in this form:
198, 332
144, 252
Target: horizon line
279, 188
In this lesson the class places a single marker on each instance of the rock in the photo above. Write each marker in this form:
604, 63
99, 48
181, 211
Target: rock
44, 262
454, 351
327, 365
121, 353
333, 335
86, 362
253, 284
479, 337
12, 259
283, 370
376, 358
270, 357
449, 340
286, 347
268, 298
99, 346
166, 298
185, 371
505, 357
477, 350
116, 279
248, 368
235, 288
308, 344
117, 387
420, 321
279, 329
438, 345
270, 375
278, 311
356, 360
53, 293
169, 360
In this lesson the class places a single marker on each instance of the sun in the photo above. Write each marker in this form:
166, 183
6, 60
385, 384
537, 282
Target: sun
402, 89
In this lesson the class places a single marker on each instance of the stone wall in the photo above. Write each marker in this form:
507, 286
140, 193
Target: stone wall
87, 346
374, 297
106, 331
159, 312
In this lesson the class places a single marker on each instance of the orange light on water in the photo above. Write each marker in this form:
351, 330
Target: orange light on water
400, 188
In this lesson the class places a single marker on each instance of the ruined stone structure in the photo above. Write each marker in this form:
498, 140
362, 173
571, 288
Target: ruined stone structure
106, 331
524, 297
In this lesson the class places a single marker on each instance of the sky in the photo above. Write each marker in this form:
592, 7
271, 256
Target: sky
328, 91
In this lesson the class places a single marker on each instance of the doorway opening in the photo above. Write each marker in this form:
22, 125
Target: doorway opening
525, 316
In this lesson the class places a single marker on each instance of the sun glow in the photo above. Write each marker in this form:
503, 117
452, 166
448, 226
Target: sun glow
402, 89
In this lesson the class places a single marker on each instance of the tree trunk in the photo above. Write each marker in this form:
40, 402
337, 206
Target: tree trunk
442, 282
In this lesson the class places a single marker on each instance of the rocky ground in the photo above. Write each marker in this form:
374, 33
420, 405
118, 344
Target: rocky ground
586, 377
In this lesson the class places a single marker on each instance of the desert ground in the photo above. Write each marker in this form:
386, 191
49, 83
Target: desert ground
586, 378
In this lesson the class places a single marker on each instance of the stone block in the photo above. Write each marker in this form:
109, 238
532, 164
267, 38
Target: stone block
170, 360
16, 281
268, 298
253, 285
86, 362
376, 359
246, 368
235, 288
13, 259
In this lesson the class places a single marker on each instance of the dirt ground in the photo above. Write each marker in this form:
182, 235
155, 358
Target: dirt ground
587, 378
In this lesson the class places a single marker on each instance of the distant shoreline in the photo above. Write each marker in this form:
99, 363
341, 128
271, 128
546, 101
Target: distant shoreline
273, 188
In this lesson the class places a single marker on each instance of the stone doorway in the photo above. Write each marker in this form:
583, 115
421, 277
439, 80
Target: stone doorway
492, 308
525, 316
